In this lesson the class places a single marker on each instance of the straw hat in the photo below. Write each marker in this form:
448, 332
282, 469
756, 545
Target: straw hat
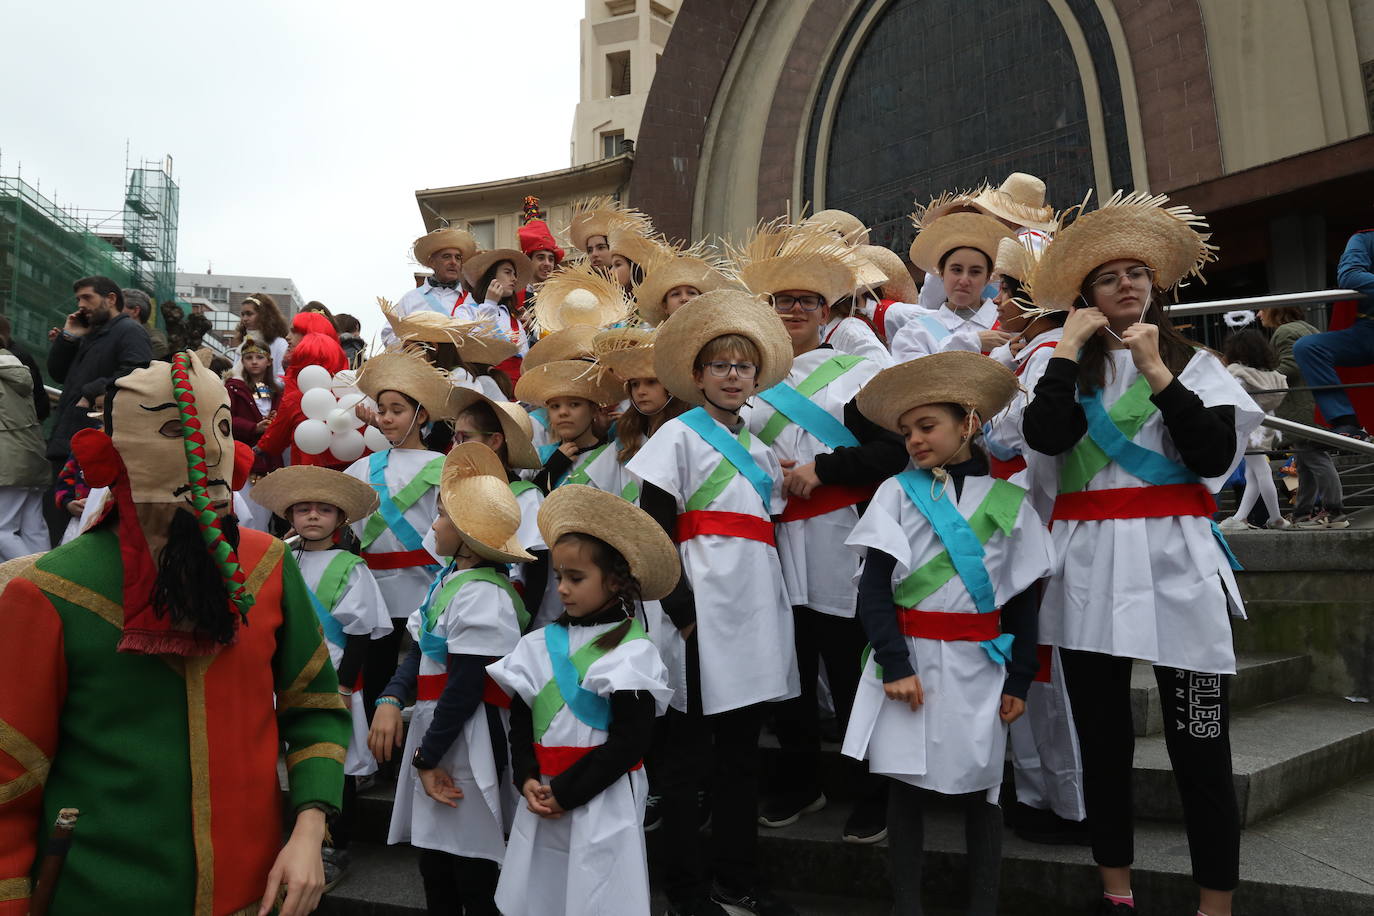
668, 268
425, 326
568, 378
956, 230
712, 315
897, 282
478, 500
1020, 199
516, 426
304, 483
1014, 260
948, 202
448, 237
486, 346
628, 241
971, 380
407, 372
650, 553
599, 215
570, 343
579, 294
851, 229
1138, 225
781, 256
477, 265
628, 352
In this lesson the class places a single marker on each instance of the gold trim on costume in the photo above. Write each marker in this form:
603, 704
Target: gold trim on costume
311, 669
28, 755
15, 889
259, 575
300, 700
326, 749
16, 787
79, 595
199, 741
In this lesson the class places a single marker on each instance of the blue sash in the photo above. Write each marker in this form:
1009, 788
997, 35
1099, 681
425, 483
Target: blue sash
432, 646
935, 327
540, 415
809, 415
588, 707
391, 513
1149, 466
546, 450
720, 439
332, 629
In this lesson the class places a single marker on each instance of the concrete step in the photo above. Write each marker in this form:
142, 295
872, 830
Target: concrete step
1282, 753
1312, 859
1260, 678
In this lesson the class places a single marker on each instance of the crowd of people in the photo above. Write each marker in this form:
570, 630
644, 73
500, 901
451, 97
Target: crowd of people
618, 514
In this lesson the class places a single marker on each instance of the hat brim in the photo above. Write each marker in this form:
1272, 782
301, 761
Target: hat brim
897, 283
568, 378
997, 203
727, 311
651, 292
426, 245
650, 553
303, 483
971, 380
573, 342
476, 496
957, 230
408, 373
520, 450
480, 263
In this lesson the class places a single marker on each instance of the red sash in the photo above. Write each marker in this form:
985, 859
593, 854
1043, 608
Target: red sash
1003, 470
1026, 362
730, 524
554, 761
1135, 502
950, 626
401, 559
879, 323
1046, 656
825, 499
431, 686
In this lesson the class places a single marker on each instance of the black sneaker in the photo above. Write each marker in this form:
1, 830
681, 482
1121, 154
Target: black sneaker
788, 807
758, 902
652, 818
703, 906
335, 866
703, 810
867, 823
1107, 907
1036, 825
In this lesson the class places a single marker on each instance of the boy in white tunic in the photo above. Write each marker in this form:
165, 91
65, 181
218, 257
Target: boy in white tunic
452, 802
714, 487
585, 691
571, 342
318, 503
1134, 427
958, 553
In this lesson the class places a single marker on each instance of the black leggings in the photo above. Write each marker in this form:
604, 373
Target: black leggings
906, 848
457, 885
1197, 733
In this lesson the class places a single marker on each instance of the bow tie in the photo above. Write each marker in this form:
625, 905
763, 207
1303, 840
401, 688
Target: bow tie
437, 284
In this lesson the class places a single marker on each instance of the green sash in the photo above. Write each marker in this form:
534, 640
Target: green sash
1130, 412
480, 574
334, 579
822, 375
579, 474
719, 479
549, 701
408, 496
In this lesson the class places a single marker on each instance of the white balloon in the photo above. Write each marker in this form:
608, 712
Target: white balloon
312, 436
313, 377
317, 403
347, 445
349, 399
341, 421
373, 439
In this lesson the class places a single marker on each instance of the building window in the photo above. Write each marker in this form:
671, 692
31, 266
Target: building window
484, 232
610, 143
618, 73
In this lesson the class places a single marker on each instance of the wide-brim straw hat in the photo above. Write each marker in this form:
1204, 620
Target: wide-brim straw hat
726, 311
850, 228
407, 372
957, 230
670, 268
1168, 240
1013, 260
480, 504
304, 483
477, 265
516, 425
628, 352
628, 241
650, 553
599, 215
448, 237
568, 378
971, 380
780, 256
570, 343
426, 326
579, 294
1020, 199
897, 283
487, 346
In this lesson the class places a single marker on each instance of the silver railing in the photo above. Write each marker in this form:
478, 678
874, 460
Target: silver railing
1219, 306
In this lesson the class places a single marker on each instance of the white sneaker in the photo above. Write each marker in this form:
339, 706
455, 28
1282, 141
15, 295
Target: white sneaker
1235, 523
1279, 523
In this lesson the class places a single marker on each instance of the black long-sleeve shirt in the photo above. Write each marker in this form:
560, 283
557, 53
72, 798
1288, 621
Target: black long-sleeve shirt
680, 605
354, 655
627, 738
879, 454
558, 464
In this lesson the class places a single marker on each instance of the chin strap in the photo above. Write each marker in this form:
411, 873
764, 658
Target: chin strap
653, 413
708, 400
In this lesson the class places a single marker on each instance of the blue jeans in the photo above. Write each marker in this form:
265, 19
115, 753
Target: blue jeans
1318, 355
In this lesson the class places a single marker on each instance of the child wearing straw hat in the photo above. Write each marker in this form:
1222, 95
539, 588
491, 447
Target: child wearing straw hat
887, 300
1133, 427
715, 487
318, 504
959, 553
453, 802
498, 278
585, 692
574, 393
672, 277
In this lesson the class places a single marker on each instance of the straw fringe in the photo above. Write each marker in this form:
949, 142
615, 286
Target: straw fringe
581, 277
777, 249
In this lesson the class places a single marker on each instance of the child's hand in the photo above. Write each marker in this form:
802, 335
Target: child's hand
908, 690
439, 786
533, 791
1012, 708
568, 448
551, 803
386, 733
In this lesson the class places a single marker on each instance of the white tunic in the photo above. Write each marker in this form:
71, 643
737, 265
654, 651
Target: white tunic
451, 303
853, 335
916, 339
361, 611
1047, 768
480, 620
817, 570
1003, 436
955, 742
591, 861
1156, 589
403, 588
744, 617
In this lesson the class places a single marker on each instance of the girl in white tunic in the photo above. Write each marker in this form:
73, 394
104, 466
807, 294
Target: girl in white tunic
1135, 427
317, 503
714, 487
574, 393
958, 553
573, 342
451, 802
585, 693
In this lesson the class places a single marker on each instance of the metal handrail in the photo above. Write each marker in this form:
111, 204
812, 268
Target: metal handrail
1217, 307
1317, 434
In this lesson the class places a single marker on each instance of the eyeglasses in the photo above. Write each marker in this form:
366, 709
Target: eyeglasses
721, 369
462, 435
1110, 283
785, 304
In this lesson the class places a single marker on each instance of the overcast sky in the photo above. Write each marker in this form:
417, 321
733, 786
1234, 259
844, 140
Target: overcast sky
299, 130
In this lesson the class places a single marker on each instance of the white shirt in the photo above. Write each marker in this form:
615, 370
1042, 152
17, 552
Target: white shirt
451, 303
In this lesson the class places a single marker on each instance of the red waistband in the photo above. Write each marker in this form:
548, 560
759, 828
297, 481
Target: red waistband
1003, 470
825, 499
1135, 502
554, 761
401, 559
430, 686
1045, 654
950, 626
730, 524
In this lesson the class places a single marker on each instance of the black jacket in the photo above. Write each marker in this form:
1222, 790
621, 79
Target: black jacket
85, 367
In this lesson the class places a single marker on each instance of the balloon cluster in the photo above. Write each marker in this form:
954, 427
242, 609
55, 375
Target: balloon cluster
332, 422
